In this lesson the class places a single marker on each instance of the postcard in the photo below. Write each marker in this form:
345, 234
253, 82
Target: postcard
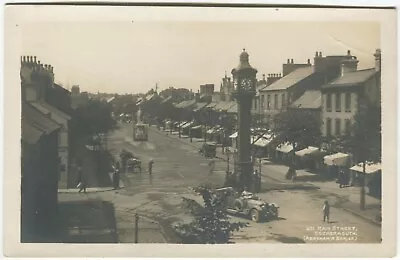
199, 131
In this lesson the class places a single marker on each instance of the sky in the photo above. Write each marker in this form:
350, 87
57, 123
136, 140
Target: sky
131, 57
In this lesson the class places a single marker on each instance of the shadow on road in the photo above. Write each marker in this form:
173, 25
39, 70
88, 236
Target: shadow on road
89, 221
287, 239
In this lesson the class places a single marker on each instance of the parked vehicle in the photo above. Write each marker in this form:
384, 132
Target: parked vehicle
209, 149
247, 204
140, 132
134, 164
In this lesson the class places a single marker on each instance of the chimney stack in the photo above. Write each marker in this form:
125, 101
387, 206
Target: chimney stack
320, 54
308, 61
349, 65
288, 61
292, 61
378, 60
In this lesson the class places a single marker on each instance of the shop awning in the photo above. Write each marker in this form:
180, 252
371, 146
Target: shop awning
197, 127
265, 140
369, 167
234, 135
188, 124
338, 159
182, 124
307, 151
284, 148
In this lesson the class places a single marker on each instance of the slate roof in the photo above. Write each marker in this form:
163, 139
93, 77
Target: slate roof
212, 104
30, 134
352, 78
38, 120
233, 109
47, 108
165, 100
224, 105
186, 103
291, 79
200, 105
310, 99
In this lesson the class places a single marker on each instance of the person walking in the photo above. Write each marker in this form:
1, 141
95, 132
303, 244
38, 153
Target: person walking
211, 165
150, 166
325, 210
341, 179
116, 175
81, 180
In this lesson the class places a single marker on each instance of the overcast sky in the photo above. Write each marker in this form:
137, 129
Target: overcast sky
131, 57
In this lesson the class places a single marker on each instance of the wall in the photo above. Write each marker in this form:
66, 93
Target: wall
343, 115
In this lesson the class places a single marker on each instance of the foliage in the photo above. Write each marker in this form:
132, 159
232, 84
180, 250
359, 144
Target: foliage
94, 118
177, 94
296, 126
125, 104
211, 224
367, 135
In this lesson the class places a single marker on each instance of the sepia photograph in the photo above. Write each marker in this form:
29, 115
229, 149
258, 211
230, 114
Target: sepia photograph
209, 126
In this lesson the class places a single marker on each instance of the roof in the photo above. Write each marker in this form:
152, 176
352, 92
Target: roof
186, 103
166, 99
224, 105
291, 79
310, 99
199, 105
352, 78
47, 108
30, 134
38, 120
212, 104
233, 109
110, 99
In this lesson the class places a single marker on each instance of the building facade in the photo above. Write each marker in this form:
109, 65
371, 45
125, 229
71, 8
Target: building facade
343, 97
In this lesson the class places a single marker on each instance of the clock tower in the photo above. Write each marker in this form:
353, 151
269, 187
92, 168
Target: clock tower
244, 82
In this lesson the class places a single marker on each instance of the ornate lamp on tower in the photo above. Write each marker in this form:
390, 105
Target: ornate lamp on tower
244, 82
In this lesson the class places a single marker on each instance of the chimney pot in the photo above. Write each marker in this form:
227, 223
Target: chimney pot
34, 59
288, 61
308, 61
24, 59
320, 54
292, 61
31, 59
316, 54
348, 53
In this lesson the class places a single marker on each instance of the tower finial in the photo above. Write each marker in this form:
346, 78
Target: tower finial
244, 49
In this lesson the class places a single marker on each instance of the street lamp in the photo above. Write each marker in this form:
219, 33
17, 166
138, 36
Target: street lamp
244, 81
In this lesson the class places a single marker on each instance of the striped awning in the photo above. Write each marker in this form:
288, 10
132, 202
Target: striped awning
307, 151
284, 148
338, 159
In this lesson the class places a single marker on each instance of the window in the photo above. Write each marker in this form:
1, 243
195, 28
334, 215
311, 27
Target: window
329, 102
268, 102
262, 101
276, 101
338, 127
348, 102
347, 127
283, 101
328, 127
338, 102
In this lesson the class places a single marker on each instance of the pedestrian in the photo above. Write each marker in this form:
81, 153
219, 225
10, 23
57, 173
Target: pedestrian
116, 175
81, 180
341, 179
294, 174
325, 210
211, 165
151, 162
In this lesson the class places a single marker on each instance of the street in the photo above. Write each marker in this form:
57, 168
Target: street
178, 166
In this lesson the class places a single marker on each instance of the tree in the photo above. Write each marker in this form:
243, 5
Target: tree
94, 118
211, 224
297, 127
366, 140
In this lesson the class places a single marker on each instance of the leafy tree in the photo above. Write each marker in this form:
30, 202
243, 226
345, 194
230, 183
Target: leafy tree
211, 224
94, 118
366, 140
297, 127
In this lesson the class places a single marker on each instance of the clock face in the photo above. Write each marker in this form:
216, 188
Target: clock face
246, 84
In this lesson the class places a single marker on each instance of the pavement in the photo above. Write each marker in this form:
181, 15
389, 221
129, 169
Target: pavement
349, 197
